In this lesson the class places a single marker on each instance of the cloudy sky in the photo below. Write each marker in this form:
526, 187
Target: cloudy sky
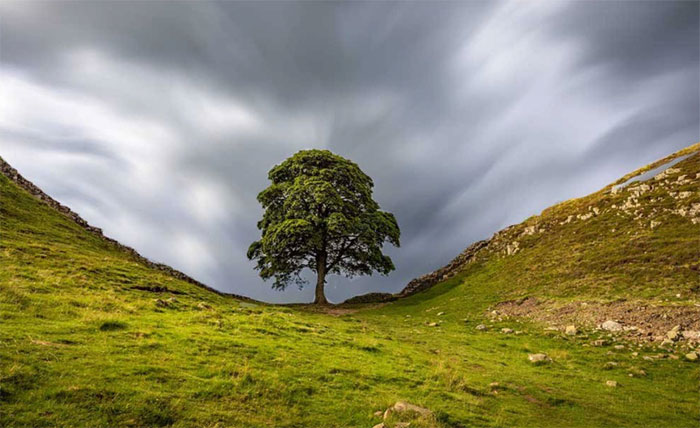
158, 121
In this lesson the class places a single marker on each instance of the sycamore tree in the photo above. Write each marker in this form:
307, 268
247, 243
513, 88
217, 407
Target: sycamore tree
319, 214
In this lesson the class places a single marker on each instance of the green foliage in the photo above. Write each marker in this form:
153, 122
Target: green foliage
320, 215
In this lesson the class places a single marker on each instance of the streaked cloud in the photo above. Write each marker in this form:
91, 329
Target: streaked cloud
158, 121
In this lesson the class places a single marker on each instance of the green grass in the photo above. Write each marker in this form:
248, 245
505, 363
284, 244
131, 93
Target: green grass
81, 346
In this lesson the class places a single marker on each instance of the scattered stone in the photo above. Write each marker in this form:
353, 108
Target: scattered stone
637, 373
538, 358
481, 327
202, 305
691, 334
440, 314
432, 324
610, 325
674, 334
666, 342
161, 303
619, 347
172, 300
494, 385
402, 407
571, 330
691, 356
378, 413
600, 342
507, 330
610, 365
611, 383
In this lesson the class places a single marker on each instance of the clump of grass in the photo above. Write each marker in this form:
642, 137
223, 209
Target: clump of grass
113, 326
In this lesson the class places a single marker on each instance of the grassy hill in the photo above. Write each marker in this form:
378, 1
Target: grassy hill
93, 335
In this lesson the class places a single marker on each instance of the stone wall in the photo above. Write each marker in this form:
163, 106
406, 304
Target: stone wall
27, 185
451, 269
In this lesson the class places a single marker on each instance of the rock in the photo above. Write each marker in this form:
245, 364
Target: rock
666, 342
507, 330
379, 425
481, 327
440, 314
600, 342
202, 305
611, 383
571, 330
691, 334
538, 358
378, 413
637, 373
610, 365
172, 300
619, 347
402, 407
691, 356
494, 385
674, 334
610, 325
432, 324
161, 303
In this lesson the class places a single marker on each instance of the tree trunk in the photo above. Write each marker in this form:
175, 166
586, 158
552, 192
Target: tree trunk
320, 280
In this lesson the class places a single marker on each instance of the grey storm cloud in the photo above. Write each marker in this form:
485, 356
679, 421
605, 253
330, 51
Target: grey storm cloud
158, 121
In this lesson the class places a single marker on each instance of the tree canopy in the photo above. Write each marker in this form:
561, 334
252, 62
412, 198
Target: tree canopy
319, 214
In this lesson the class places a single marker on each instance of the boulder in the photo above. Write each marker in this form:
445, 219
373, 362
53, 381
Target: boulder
610, 325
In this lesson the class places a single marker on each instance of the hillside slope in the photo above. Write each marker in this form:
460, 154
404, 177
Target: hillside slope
92, 335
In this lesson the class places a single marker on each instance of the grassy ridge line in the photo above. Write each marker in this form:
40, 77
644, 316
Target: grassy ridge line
13, 175
500, 241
